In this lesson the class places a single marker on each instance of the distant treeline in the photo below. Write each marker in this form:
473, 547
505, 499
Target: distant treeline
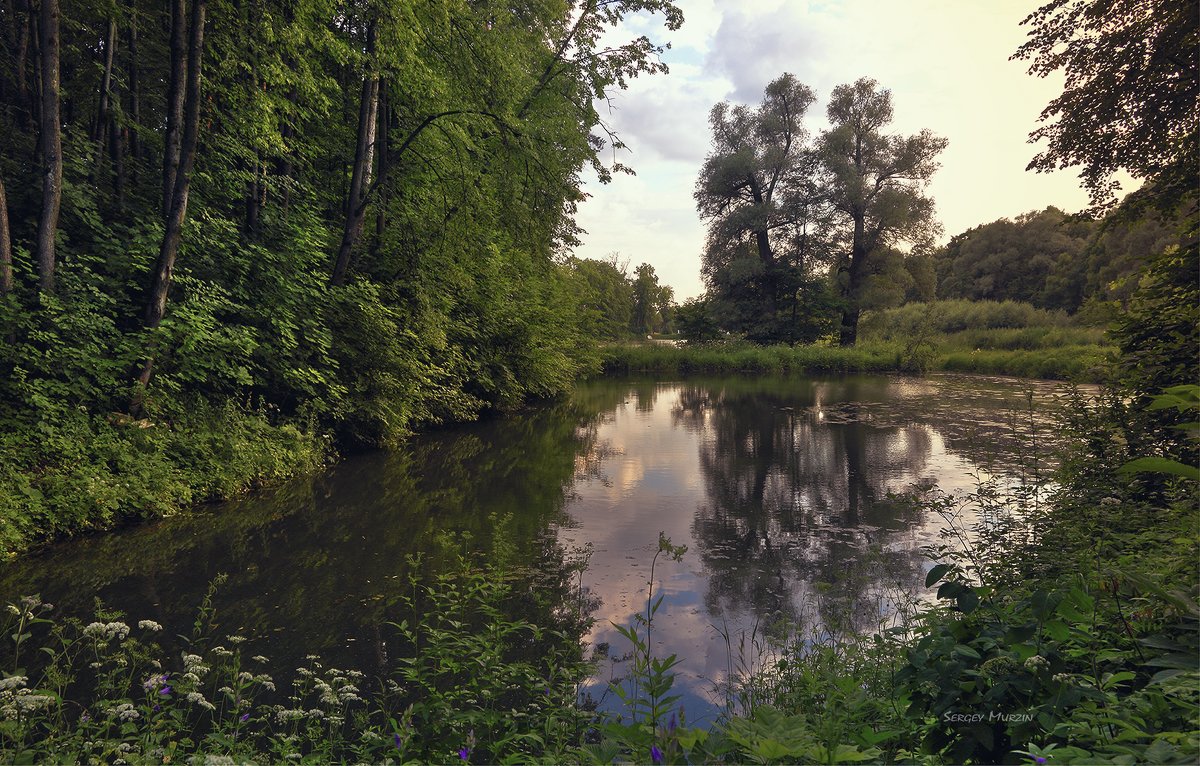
1053, 260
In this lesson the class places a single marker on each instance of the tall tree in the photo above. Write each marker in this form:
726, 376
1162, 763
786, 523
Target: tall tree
360, 178
6, 273
647, 299
757, 192
51, 143
156, 302
1132, 95
875, 183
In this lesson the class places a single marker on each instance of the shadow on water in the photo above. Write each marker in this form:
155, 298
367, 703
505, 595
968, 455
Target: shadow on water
779, 486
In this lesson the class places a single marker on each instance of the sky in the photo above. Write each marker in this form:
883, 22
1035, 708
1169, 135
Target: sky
946, 63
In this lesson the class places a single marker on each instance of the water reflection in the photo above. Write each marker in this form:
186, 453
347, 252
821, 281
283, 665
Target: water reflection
786, 492
780, 487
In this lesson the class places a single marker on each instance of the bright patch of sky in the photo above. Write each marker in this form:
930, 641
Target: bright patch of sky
945, 61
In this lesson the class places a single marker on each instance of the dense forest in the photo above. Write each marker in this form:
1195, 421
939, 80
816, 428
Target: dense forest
231, 230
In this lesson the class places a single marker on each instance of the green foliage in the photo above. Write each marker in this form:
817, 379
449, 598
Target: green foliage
695, 322
1129, 101
744, 357
476, 685
1037, 258
607, 298
458, 297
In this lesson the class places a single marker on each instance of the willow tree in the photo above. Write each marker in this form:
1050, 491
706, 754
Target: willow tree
758, 194
874, 183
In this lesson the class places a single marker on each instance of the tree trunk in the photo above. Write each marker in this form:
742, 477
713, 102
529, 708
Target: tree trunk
135, 97
25, 99
51, 142
360, 178
156, 305
103, 126
385, 116
175, 97
116, 149
848, 333
101, 122
6, 274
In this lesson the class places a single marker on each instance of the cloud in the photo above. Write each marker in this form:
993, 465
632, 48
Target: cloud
755, 44
668, 117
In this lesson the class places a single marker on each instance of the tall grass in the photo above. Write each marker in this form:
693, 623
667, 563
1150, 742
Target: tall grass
989, 337
747, 358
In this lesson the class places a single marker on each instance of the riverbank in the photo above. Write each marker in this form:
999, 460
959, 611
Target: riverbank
1081, 362
85, 473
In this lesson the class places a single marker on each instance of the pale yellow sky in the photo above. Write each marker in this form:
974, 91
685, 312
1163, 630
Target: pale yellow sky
945, 62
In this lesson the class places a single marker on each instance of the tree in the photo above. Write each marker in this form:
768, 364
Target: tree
1132, 95
51, 143
756, 192
649, 299
1033, 259
695, 322
875, 185
179, 162
607, 297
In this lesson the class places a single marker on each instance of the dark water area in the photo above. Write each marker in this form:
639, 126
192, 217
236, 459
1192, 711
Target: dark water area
780, 487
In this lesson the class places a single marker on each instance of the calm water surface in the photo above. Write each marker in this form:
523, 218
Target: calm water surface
780, 488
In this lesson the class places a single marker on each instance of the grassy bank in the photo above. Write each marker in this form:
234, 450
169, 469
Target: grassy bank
989, 337
86, 473
1081, 362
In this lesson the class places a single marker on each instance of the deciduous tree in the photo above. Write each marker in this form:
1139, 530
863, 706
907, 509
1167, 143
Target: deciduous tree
1132, 95
875, 184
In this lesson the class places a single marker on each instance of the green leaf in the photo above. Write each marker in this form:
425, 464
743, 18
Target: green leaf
1160, 465
936, 574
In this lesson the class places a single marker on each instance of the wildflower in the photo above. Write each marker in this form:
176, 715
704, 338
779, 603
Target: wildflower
1039, 759
259, 658
464, 753
1036, 663
149, 625
235, 639
12, 682
672, 723
13, 608
1108, 501
196, 698
124, 712
398, 740
656, 755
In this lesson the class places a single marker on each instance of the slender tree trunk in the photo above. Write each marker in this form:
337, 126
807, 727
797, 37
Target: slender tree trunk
6, 274
156, 304
848, 333
51, 141
102, 127
175, 97
385, 116
25, 99
360, 178
116, 149
101, 122
135, 97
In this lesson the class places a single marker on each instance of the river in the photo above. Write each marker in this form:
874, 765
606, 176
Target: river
784, 490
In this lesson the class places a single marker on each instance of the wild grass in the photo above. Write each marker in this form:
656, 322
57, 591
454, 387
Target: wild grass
987, 337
